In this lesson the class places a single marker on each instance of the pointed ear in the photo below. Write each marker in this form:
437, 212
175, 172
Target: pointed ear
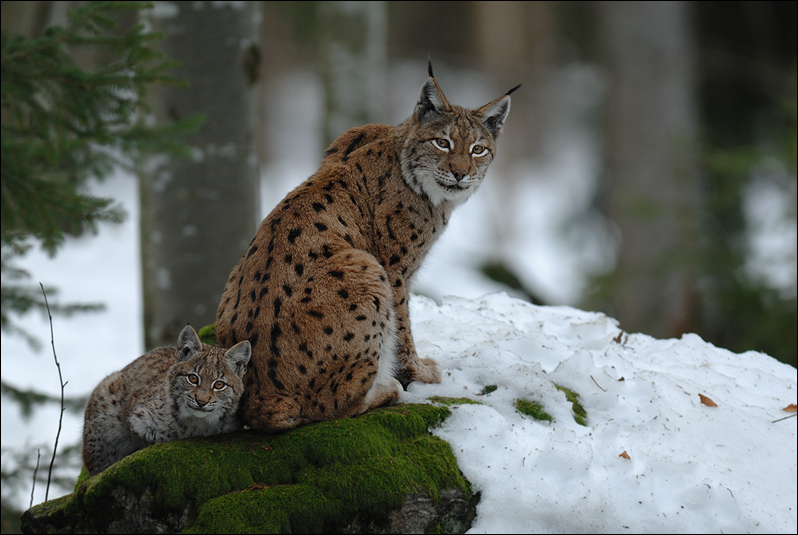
494, 114
238, 357
431, 102
188, 344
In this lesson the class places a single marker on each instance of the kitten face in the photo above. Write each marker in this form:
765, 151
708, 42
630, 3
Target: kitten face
204, 386
205, 381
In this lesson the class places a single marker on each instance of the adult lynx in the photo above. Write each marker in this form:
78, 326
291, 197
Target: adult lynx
321, 293
168, 394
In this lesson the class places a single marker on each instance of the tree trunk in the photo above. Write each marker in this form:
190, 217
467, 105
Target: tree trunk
198, 216
652, 171
352, 64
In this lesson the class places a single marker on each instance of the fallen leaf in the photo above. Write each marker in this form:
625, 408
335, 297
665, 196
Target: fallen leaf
790, 408
706, 401
624, 455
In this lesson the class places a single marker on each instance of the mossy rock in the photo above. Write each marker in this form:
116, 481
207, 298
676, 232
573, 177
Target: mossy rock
364, 474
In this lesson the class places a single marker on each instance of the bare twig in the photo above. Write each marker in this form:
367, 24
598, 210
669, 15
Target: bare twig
35, 471
598, 385
780, 419
63, 384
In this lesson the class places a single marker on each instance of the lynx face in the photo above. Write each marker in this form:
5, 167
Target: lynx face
450, 148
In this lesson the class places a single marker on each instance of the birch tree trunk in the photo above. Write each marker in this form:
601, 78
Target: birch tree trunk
198, 216
652, 170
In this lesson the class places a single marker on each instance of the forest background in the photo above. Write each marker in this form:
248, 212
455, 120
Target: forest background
666, 130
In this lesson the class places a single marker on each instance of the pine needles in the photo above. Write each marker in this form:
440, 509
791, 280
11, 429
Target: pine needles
63, 124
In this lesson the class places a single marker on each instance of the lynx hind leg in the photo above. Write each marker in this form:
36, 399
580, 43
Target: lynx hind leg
369, 323
345, 320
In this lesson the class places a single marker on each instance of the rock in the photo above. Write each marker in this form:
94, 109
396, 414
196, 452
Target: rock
381, 472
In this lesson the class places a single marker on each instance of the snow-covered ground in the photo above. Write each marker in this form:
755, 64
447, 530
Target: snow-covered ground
691, 467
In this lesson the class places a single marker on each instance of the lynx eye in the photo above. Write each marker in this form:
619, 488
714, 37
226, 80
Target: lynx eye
442, 143
193, 379
218, 385
479, 150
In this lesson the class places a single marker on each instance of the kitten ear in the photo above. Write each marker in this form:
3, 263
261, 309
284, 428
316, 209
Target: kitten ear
238, 357
431, 102
188, 344
494, 113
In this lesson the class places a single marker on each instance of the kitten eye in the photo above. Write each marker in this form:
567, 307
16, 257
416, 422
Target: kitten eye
478, 150
218, 385
193, 379
441, 143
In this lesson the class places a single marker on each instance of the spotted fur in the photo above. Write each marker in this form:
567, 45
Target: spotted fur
322, 291
168, 394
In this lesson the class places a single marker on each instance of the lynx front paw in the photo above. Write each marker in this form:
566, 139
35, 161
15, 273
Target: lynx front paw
421, 370
429, 371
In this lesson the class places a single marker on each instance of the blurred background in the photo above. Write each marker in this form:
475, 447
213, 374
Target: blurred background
647, 169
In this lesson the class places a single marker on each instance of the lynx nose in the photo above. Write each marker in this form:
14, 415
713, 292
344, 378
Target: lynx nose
459, 174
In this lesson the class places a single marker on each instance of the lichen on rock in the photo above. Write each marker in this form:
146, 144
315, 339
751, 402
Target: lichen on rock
382, 472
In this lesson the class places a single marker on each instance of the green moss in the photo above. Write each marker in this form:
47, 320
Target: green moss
83, 476
453, 401
207, 335
313, 478
488, 389
59, 511
264, 509
533, 409
580, 414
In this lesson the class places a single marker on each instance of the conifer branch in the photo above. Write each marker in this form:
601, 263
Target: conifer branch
53, 41
63, 124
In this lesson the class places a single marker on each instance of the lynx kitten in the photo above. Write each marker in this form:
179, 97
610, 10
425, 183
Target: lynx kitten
322, 291
168, 394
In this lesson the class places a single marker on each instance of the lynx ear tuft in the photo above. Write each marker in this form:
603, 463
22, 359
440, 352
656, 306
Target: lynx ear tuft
507, 94
429, 67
